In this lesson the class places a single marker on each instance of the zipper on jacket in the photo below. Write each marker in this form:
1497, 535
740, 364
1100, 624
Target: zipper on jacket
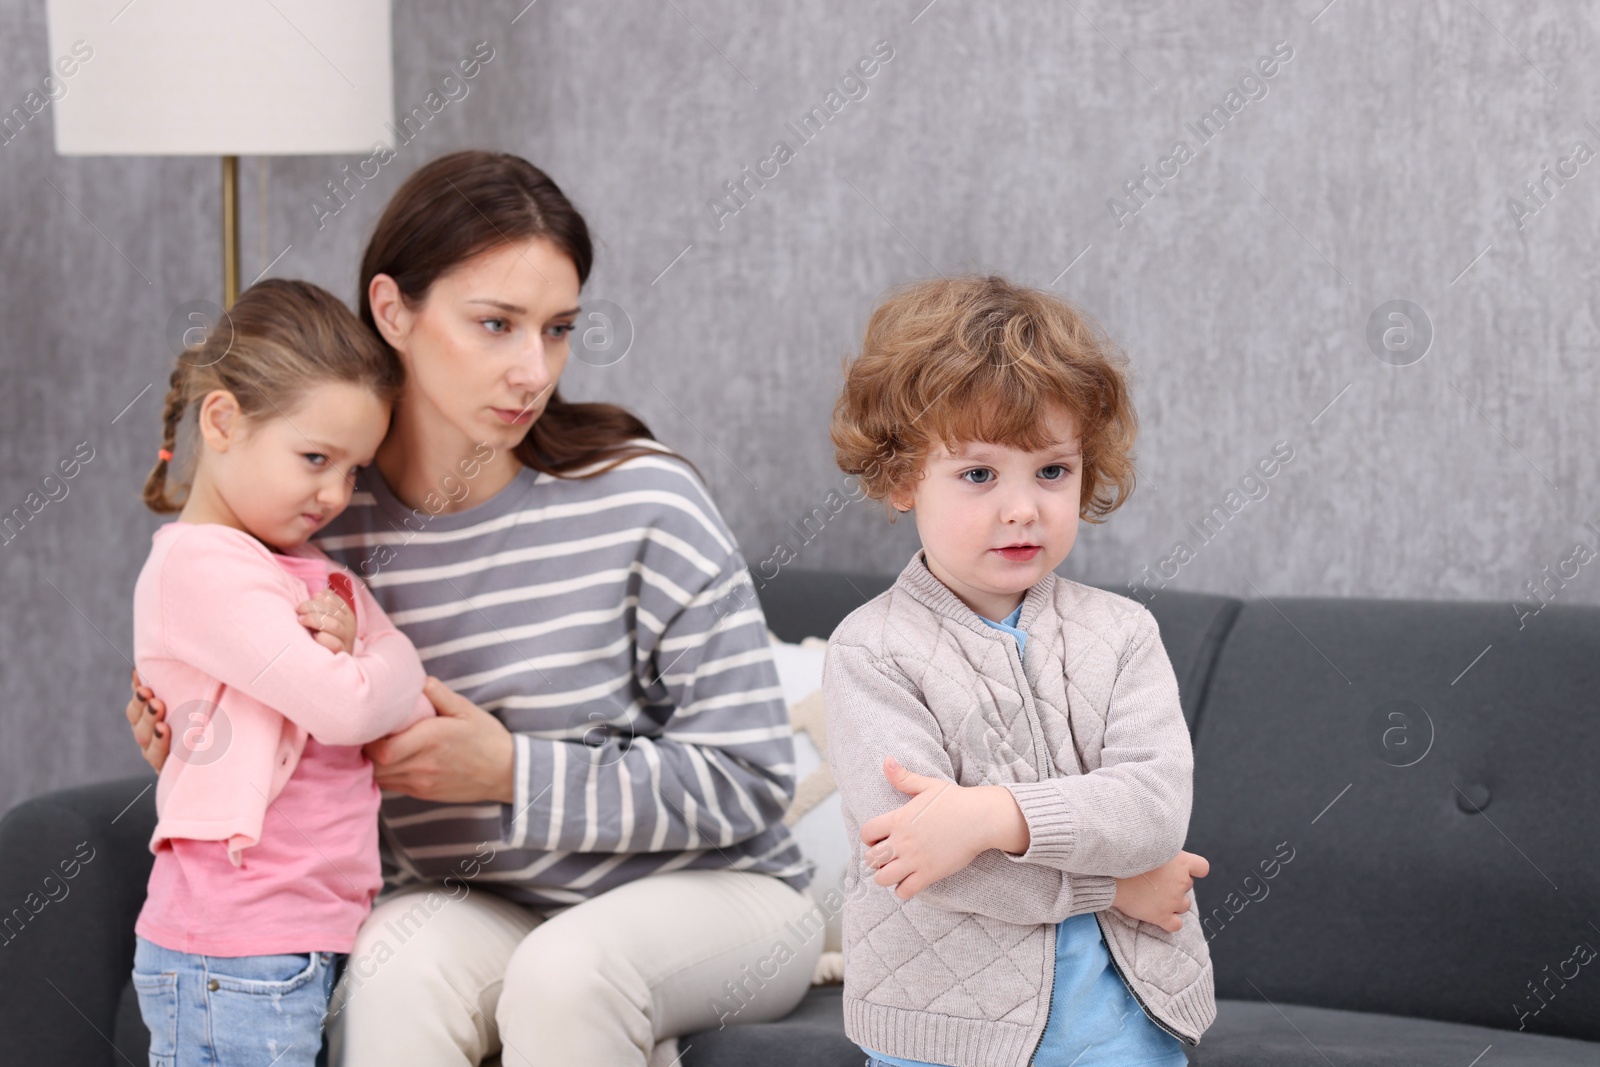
1046, 772
1137, 998
1049, 1000
1042, 765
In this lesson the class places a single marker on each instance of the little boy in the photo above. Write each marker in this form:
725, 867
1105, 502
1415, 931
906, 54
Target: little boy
1009, 747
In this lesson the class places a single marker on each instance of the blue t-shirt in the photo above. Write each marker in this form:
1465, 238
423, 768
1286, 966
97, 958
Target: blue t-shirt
1094, 1021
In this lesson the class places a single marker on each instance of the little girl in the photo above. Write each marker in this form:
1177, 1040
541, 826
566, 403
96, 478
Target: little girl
1009, 747
277, 666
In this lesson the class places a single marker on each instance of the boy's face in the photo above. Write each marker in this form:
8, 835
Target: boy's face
972, 504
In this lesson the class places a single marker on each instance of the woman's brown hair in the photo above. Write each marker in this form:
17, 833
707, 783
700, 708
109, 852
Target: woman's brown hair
280, 339
951, 360
463, 204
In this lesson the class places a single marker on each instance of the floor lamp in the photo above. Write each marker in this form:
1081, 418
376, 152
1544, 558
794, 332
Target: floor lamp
222, 78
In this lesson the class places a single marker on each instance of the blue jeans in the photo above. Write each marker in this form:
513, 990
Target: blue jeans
232, 1011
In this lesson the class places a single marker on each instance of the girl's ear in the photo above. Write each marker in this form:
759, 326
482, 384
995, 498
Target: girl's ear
221, 421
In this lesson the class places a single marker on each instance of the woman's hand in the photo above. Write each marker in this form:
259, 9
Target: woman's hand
1161, 896
939, 831
147, 715
330, 621
462, 755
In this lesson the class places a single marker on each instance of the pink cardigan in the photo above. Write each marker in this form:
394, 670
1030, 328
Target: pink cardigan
216, 636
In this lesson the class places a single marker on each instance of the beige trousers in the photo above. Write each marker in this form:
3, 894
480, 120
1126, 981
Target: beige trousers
444, 974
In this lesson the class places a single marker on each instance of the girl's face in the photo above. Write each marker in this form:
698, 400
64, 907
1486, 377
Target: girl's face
283, 477
486, 345
972, 504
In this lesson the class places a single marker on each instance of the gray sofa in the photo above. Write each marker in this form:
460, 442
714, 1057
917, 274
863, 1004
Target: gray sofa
1395, 798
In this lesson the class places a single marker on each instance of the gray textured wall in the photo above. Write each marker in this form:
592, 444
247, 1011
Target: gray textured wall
1380, 162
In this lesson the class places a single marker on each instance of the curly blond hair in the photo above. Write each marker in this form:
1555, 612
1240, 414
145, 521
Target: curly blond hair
953, 360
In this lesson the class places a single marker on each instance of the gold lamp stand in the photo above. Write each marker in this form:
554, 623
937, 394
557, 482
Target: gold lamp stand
230, 230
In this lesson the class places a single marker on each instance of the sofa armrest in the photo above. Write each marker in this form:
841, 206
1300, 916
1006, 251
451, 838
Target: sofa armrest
73, 869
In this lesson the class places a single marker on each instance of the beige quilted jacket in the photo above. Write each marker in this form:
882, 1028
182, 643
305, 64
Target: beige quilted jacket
1087, 733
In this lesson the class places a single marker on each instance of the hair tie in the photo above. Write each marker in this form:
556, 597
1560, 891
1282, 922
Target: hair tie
165, 454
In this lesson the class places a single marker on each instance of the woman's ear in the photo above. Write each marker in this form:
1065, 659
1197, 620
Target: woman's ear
221, 420
389, 310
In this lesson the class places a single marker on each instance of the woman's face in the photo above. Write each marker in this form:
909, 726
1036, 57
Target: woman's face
485, 347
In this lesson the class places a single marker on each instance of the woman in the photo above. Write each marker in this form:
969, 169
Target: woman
584, 850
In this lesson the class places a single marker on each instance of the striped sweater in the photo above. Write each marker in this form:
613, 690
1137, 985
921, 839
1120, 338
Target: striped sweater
611, 624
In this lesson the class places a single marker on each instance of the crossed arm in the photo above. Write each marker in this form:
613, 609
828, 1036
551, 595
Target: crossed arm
462, 755
962, 847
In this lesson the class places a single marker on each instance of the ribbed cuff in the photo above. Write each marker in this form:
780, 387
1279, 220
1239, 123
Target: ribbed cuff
1199, 1006
1092, 892
1051, 833
1195, 1008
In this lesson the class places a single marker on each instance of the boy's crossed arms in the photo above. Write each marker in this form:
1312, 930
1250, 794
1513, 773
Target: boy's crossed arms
970, 848
910, 852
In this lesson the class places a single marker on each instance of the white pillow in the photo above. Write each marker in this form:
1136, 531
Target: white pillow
799, 667
820, 831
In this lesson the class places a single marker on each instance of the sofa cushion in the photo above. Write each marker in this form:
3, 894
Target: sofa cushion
1342, 756
800, 604
1258, 1034
1249, 1033
810, 1036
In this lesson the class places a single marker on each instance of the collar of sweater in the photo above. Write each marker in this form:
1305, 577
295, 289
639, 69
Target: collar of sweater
920, 583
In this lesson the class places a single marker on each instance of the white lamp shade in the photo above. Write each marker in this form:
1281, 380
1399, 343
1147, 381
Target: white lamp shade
221, 77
